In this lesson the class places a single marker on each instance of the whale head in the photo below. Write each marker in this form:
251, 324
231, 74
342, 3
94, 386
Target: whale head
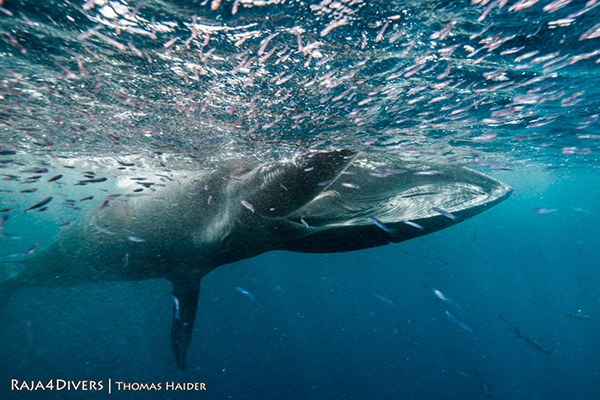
364, 205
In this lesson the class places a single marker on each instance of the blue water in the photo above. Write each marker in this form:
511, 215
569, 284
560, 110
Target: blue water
357, 325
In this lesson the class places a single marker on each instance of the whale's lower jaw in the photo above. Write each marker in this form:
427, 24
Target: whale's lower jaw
405, 207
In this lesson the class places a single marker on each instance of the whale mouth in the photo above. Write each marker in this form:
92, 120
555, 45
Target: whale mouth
454, 193
364, 209
422, 201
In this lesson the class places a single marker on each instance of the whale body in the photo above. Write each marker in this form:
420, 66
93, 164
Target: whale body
319, 202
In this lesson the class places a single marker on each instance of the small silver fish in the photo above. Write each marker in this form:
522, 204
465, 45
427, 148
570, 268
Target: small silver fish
388, 301
413, 224
26, 253
445, 299
38, 205
248, 205
176, 304
102, 230
381, 225
544, 210
444, 213
245, 293
458, 323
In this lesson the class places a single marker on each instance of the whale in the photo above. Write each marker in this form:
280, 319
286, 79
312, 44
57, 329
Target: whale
330, 201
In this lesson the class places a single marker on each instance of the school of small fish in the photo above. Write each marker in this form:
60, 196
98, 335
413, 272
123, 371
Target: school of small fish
468, 84
217, 79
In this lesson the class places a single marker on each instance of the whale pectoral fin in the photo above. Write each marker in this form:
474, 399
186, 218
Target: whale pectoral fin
185, 304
